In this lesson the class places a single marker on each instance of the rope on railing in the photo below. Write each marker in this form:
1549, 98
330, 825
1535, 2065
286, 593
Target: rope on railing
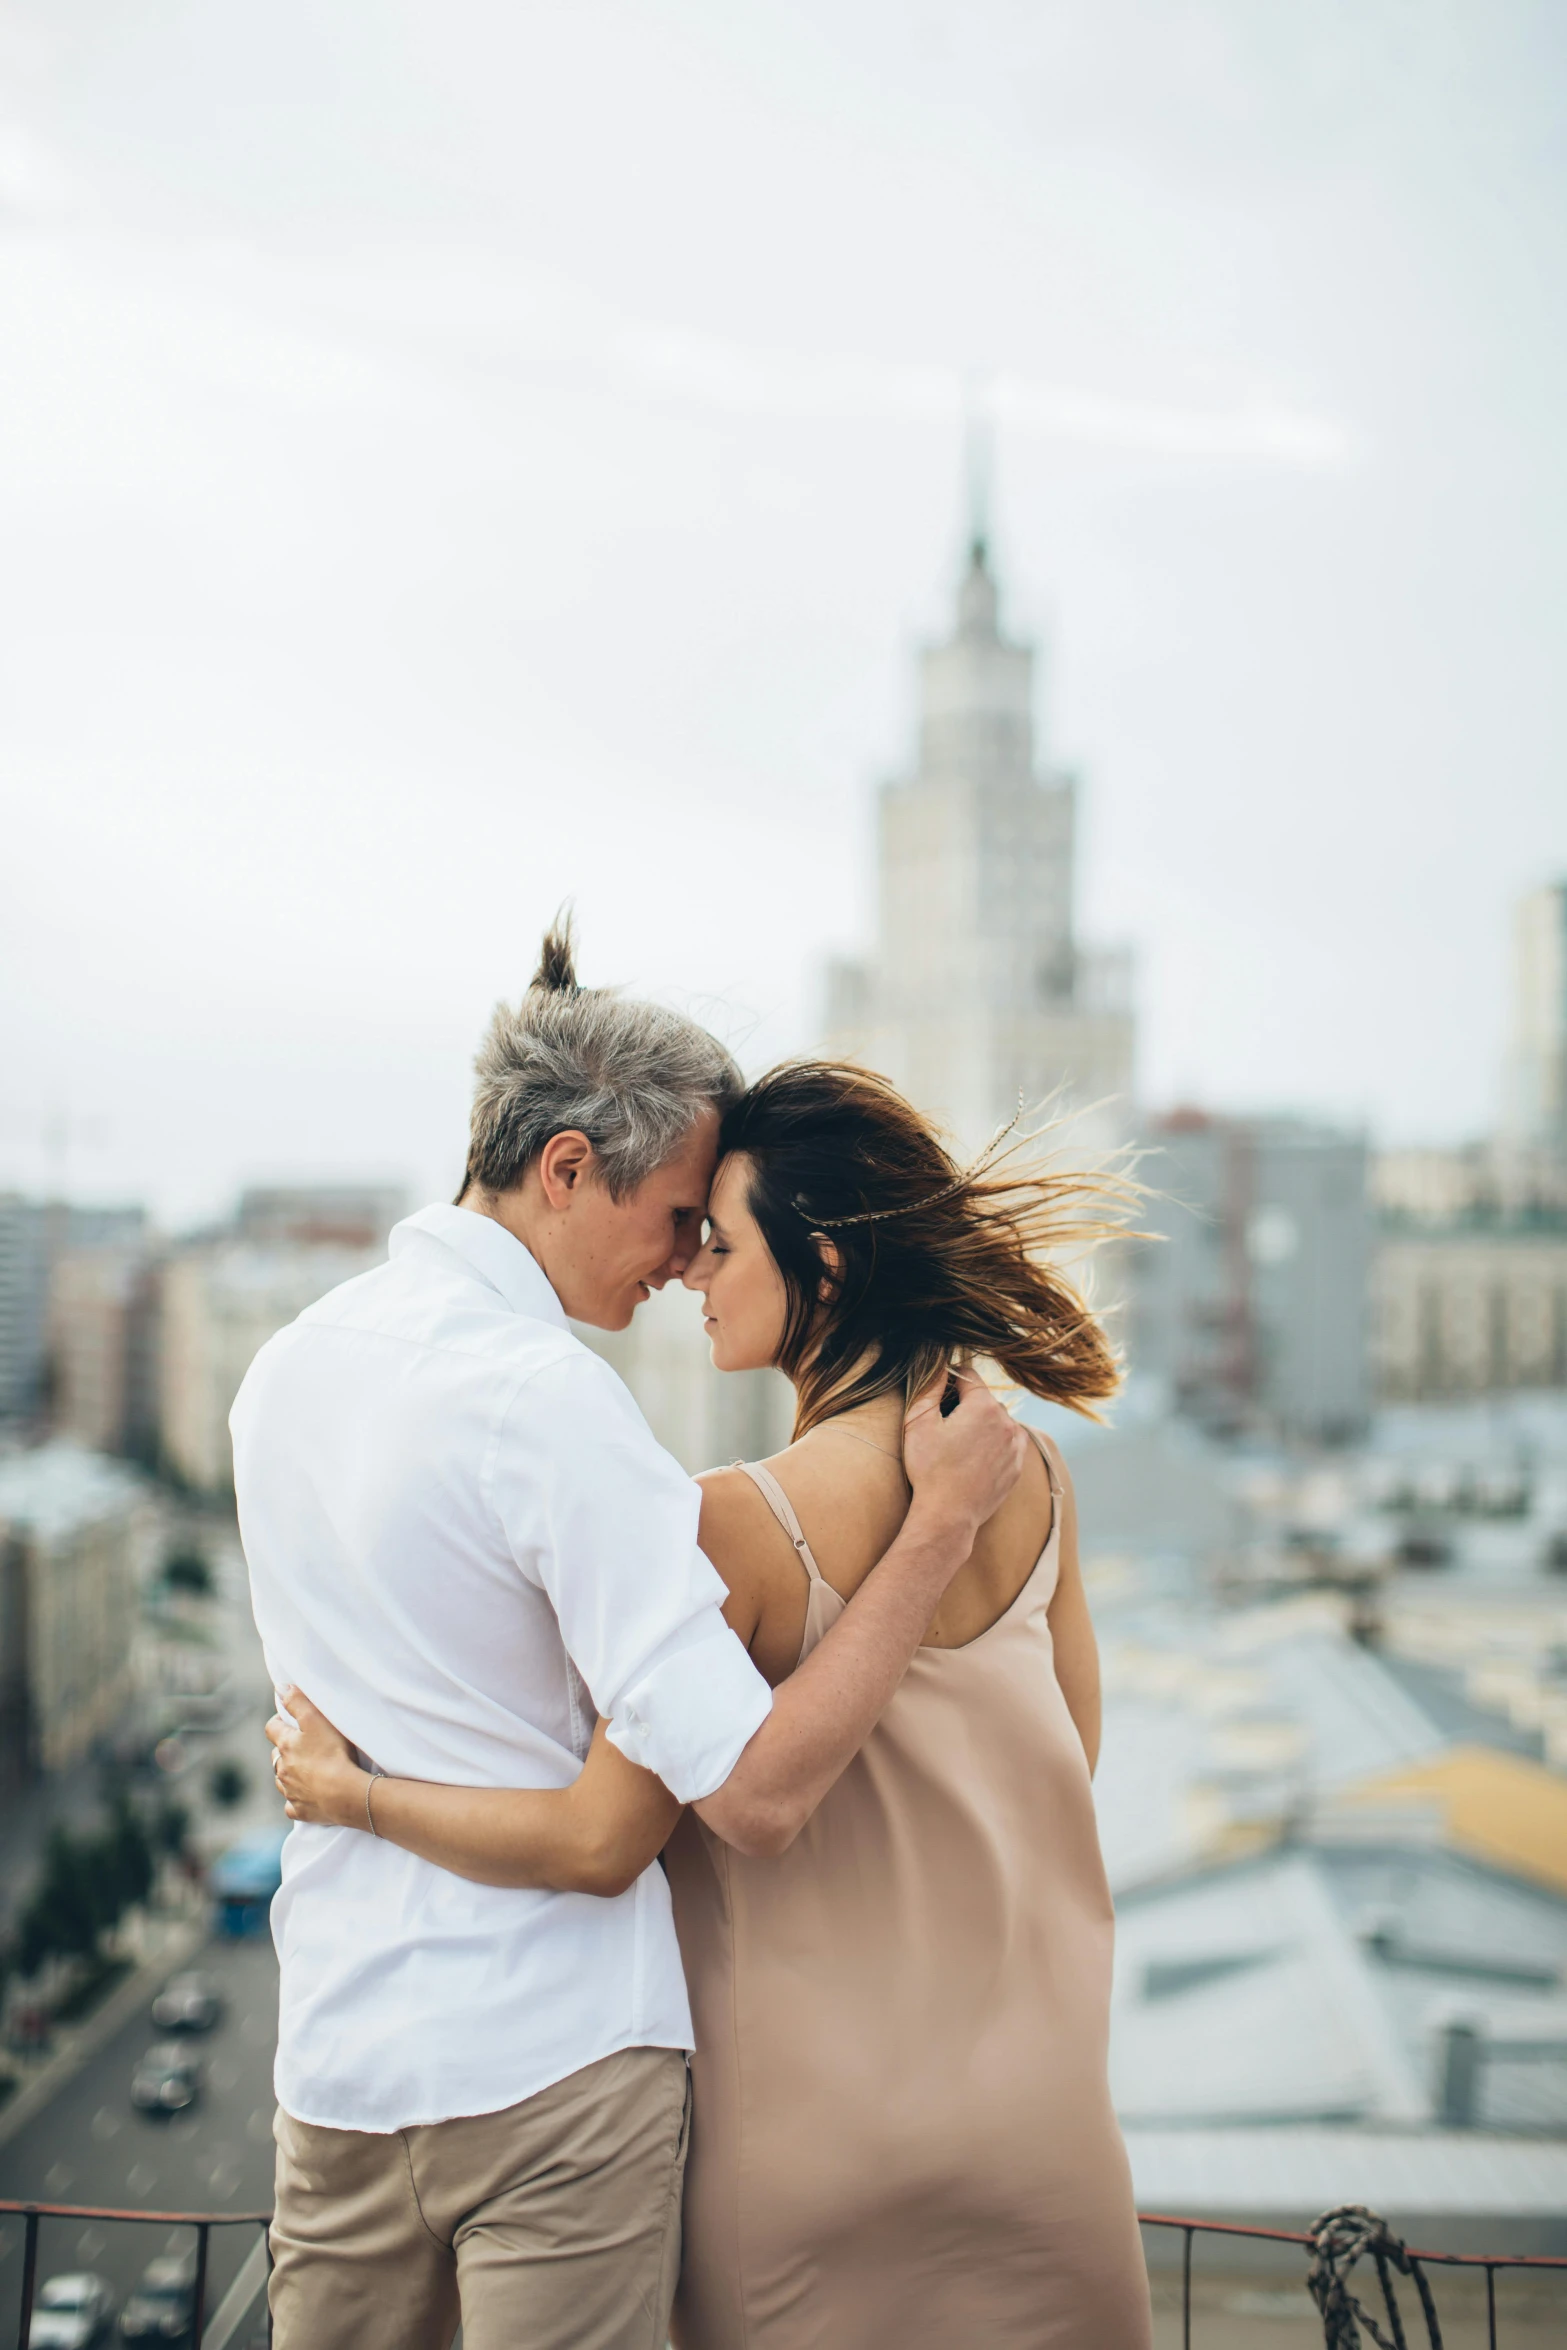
1339, 2239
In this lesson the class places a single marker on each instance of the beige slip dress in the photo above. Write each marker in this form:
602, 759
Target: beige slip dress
902, 2136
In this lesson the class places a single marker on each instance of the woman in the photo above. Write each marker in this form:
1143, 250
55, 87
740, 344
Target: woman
902, 2132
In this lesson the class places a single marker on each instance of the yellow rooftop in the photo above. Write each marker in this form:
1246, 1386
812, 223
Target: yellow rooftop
1500, 1808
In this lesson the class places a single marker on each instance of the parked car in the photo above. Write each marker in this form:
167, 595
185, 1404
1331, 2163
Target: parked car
244, 1880
28, 2031
189, 2003
70, 2312
168, 2078
163, 2306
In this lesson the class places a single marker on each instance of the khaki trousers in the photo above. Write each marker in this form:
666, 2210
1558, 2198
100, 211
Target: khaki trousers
554, 2225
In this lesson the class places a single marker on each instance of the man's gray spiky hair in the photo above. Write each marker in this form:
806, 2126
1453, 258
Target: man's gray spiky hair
633, 1077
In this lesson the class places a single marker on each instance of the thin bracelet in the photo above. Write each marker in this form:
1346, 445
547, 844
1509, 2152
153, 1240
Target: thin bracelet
376, 1772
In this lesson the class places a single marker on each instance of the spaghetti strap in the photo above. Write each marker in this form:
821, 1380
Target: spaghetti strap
1046, 1454
1043, 1443
782, 1508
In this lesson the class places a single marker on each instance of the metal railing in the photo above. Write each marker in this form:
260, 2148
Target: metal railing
202, 2221
1339, 2240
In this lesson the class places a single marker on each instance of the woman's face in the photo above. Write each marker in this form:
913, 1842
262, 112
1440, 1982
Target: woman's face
744, 1299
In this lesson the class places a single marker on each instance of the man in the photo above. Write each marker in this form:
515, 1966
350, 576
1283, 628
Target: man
465, 1545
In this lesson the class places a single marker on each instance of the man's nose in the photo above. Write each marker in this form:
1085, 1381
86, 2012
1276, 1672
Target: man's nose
674, 1265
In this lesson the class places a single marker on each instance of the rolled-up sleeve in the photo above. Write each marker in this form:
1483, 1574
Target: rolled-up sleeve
602, 1518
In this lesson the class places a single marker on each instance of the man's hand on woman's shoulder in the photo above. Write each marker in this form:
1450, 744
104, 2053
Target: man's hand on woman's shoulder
963, 1463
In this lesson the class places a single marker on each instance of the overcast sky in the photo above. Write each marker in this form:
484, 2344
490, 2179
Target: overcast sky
453, 456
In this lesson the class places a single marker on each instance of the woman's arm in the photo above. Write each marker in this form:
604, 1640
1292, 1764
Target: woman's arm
1071, 1626
595, 1836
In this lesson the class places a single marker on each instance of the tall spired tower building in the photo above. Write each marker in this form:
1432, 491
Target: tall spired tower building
979, 988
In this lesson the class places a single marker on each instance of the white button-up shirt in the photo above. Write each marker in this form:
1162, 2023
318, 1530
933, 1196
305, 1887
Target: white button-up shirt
463, 1541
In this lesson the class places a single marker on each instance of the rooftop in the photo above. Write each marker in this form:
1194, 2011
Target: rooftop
1316, 1985
1501, 1808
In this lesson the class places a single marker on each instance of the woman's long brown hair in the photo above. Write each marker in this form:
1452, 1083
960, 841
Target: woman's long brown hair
933, 1265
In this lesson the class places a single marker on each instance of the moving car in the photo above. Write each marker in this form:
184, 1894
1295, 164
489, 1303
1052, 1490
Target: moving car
71, 2311
168, 2078
163, 2306
189, 2003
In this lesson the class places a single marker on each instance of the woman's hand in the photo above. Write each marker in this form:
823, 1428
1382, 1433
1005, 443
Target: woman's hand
317, 1771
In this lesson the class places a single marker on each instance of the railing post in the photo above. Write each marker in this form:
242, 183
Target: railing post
1186, 2289
1390, 2302
24, 2332
1490, 2306
200, 2322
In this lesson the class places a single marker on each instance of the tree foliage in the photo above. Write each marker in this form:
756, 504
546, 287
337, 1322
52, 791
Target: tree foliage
228, 1783
171, 1827
87, 1883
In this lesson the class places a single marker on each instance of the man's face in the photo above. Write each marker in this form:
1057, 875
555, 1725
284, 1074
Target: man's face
608, 1254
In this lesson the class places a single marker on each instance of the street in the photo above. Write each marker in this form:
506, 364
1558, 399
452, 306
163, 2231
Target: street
90, 2145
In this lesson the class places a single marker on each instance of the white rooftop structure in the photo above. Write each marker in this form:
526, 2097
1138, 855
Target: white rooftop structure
1293, 2174
1320, 1985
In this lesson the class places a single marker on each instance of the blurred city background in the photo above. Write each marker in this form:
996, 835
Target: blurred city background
1024, 544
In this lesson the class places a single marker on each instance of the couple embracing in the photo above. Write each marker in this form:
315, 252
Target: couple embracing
696, 1897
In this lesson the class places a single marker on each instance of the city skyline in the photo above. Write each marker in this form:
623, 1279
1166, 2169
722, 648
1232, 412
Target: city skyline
398, 548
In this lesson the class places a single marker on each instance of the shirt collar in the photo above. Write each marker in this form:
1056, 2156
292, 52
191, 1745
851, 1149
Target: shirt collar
492, 1251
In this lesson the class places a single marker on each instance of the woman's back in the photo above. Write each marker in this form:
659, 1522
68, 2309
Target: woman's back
856, 1509
902, 2131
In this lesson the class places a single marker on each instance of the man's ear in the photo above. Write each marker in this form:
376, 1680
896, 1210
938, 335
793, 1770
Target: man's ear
565, 1163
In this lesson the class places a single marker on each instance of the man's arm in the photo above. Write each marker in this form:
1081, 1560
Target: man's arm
599, 1833
606, 1523
961, 1468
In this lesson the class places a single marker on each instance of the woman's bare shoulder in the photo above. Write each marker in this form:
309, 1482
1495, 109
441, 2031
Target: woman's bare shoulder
734, 1516
849, 1502
741, 1537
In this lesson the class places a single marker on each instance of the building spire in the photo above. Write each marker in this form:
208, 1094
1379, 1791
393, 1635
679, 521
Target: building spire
977, 598
979, 466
